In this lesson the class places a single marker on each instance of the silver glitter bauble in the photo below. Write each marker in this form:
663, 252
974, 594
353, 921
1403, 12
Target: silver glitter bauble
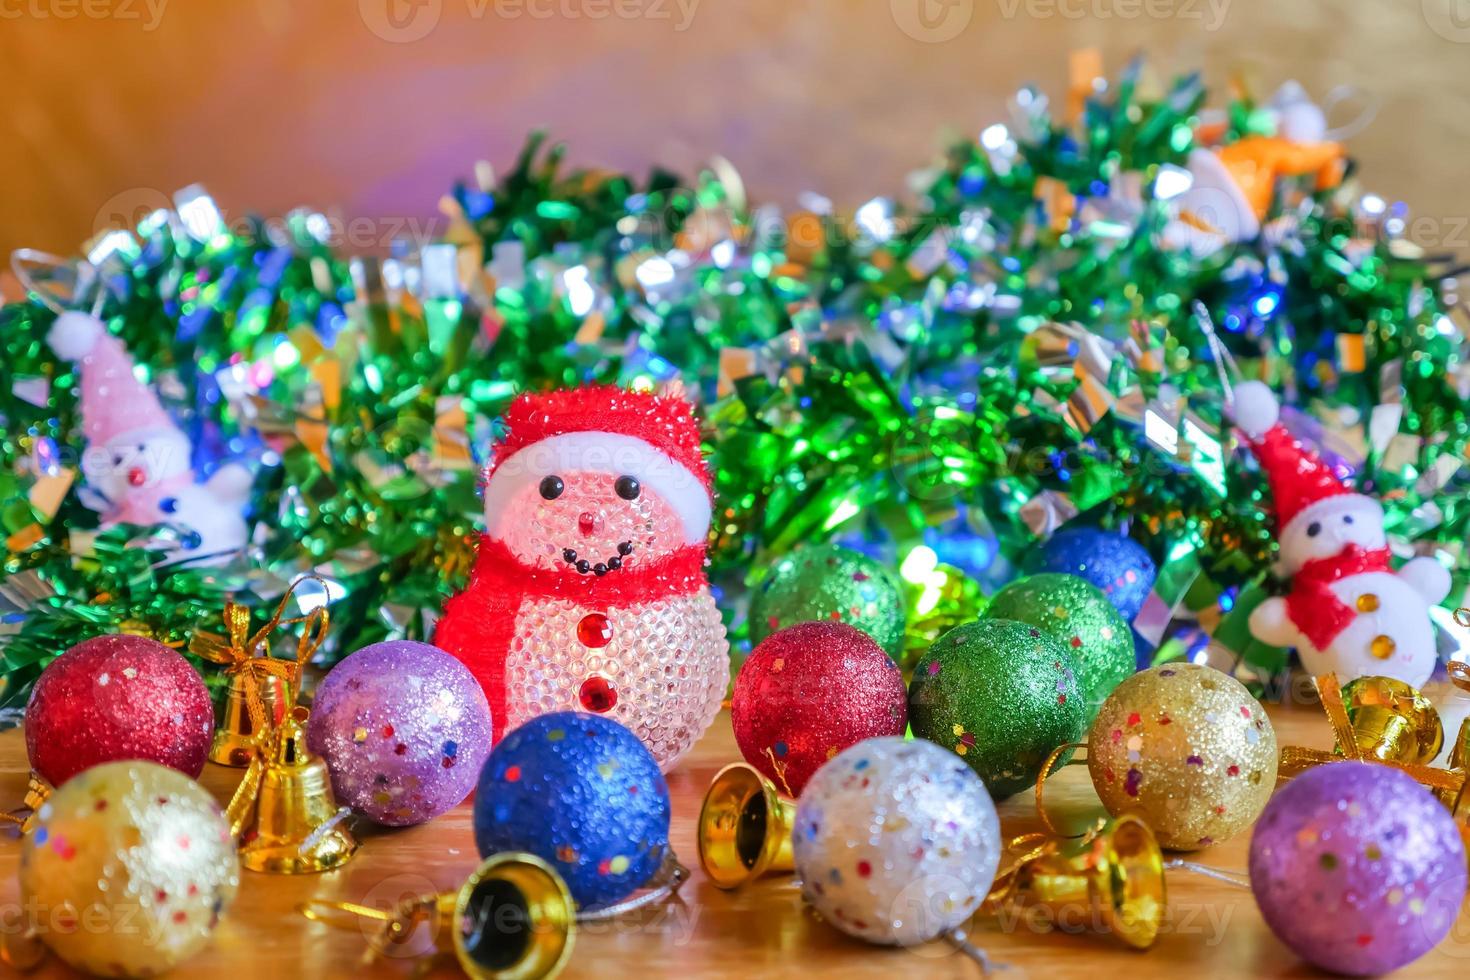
896, 842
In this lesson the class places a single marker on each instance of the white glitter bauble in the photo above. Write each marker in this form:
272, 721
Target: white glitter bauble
896, 842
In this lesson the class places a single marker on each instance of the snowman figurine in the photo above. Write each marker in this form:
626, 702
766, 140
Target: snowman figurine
1348, 611
138, 464
589, 591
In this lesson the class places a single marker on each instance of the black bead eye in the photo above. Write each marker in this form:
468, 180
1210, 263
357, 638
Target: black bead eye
627, 488
551, 487
1314, 529
1347, 518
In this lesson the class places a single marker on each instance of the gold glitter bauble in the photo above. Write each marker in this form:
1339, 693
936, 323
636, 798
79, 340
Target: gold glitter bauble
1186, 748
128, 869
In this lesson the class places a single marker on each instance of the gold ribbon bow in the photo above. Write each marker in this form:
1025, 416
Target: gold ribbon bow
37, 792
1296, 759
239, 650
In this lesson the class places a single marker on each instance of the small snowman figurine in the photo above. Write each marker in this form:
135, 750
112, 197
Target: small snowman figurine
138, 463
589, 591
1348, 611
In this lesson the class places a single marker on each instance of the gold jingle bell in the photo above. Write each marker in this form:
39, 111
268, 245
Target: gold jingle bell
284, 813
262, 688
744, 828
513, 919
235, 733
1392, 722
1112, 877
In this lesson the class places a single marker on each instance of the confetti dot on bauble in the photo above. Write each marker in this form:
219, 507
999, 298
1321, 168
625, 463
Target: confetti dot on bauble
829, 583
118, 697
131, 865
582, 793
1186, 748
1000, 694
1115, 563
1357, 868
896, 842
404, 728
1076, 613
809, 691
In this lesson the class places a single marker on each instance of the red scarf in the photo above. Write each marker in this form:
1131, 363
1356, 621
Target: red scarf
1311, 605
479, 623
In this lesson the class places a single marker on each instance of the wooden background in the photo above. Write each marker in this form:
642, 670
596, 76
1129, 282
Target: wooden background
1211, 930
112, 105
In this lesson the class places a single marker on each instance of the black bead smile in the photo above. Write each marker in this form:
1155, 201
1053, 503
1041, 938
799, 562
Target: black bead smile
585, 567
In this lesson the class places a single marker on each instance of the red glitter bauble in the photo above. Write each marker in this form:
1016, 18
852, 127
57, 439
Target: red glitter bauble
118, 697
809, 691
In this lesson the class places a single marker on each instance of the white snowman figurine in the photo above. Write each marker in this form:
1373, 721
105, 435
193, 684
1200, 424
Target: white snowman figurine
589, 591
138, 465
1348, 611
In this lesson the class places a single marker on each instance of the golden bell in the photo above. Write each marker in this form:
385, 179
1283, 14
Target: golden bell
284, 813
1112, 879
1392, 722
513, 919
234, 733
744, 828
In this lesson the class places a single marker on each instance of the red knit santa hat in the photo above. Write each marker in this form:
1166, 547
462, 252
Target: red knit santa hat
1298, 477
605, 429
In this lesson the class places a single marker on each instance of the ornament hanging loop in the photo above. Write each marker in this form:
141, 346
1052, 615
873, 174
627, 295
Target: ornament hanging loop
1046, 770
961, 942
665, 884
1225, 364
1238, 879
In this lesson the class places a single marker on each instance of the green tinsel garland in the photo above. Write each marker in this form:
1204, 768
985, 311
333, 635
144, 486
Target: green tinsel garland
1017, 351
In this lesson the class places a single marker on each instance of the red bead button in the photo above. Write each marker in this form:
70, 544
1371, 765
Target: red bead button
598, 695
594, 630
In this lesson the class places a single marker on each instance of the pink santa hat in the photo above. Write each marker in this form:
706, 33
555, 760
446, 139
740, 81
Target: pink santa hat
114, 402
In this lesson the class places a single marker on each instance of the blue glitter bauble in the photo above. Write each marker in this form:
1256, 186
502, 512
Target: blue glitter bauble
1113, 562
582, 793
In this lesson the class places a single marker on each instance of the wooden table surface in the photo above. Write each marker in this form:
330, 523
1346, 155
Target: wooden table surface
1211, 929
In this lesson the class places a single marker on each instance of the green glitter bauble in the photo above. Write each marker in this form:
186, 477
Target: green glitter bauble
1002, 695
825, 582
1078, 614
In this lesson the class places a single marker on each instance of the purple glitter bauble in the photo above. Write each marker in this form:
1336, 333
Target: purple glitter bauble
404, 727
1357, 868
